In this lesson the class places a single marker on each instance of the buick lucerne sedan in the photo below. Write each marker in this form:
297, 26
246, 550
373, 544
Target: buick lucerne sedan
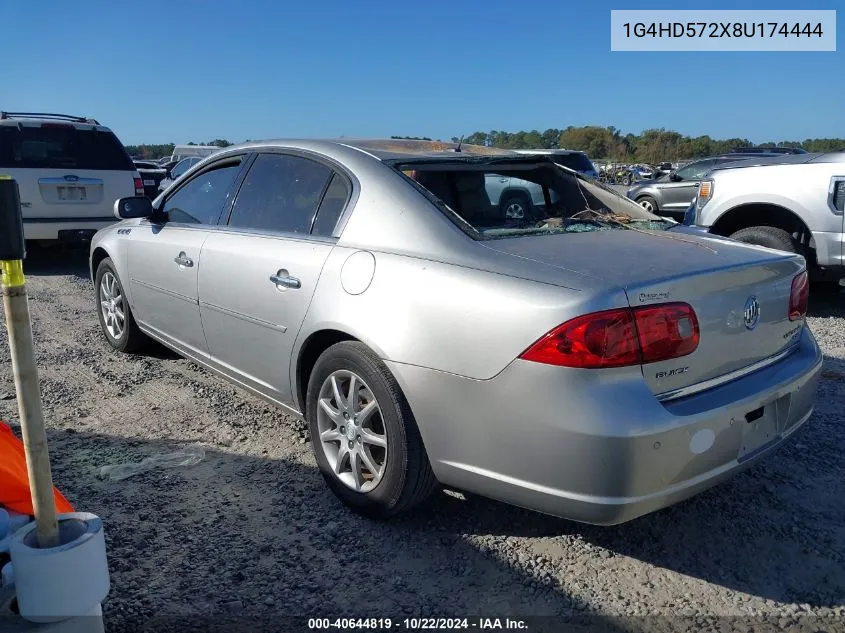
584, 360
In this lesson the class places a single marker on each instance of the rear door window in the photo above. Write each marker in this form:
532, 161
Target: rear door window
334, 201
59, 146
280, 194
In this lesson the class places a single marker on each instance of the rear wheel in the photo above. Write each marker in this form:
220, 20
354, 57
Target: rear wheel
365, 439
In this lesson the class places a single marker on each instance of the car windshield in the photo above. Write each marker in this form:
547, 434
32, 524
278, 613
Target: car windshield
57, 146
499, 198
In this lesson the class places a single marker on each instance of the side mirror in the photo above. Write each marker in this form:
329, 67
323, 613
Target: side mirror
674, 177
134, 207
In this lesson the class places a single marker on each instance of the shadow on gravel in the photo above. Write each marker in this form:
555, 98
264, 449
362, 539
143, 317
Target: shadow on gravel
56, 260
240, 535
827, 304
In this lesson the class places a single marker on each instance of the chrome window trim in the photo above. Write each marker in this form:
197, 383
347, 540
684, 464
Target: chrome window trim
725, 378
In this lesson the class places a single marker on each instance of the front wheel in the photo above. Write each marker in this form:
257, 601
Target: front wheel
648, 203
365, 439
113, 310
768, 236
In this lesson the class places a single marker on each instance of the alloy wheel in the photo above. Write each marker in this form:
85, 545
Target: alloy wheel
352, 432
514, 210
112, 305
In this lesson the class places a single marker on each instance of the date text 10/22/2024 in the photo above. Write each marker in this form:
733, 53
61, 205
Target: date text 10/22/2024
416, 624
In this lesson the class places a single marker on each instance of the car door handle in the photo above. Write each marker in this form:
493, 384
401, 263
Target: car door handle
184, 260
285, 281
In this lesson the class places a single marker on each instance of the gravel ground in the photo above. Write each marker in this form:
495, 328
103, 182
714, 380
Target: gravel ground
253, 530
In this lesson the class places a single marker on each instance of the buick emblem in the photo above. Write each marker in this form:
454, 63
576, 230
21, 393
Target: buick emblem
751, 316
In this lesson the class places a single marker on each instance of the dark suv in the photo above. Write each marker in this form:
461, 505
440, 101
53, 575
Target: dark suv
671, 194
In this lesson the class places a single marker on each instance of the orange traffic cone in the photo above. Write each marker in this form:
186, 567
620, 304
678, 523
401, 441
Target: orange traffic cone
14, 482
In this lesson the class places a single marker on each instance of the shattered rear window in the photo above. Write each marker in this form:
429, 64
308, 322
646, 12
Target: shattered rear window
494, 198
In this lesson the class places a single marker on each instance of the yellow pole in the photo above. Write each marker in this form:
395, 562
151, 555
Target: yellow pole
16, 307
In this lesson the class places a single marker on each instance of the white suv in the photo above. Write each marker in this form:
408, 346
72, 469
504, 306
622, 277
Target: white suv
69, 170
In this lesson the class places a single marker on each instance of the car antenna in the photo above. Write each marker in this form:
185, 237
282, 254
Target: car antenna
458, 148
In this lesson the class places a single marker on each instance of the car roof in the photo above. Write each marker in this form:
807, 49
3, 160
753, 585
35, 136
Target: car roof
786, 159
37, 119
394, 150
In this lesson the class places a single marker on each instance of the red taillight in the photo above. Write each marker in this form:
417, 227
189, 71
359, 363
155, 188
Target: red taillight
799, 296
601, 339
666, 331
619, 338
139, 187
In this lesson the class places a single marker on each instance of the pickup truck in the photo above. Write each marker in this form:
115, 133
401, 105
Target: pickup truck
792, 203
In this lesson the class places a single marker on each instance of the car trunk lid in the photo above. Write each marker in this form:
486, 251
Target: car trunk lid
719, 278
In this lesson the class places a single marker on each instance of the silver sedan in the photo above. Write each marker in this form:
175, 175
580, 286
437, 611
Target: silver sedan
587, 361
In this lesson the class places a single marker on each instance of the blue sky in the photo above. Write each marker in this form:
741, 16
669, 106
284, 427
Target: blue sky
187, 70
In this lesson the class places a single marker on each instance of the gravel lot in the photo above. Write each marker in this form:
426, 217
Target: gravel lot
253, 530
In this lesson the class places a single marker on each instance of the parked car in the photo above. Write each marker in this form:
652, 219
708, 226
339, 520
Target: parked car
151, 175
794, 203
185, 151
768, 150
515, 198
177, 170
380, 296
69, 171
662, 169
670, 195
573, 159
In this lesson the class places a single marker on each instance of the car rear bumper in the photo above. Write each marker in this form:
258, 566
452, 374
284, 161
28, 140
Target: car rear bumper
64, 229
601, 448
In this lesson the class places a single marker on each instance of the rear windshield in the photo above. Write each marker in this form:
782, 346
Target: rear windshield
491, 199
576, 162
61, 148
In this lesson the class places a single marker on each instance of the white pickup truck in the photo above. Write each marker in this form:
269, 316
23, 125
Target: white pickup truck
792, 203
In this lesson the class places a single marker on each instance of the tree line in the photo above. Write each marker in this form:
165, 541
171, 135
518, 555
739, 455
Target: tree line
652, 146
160, 150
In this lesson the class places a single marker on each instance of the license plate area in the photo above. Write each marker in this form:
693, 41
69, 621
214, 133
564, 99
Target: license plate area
71, 193
762, 426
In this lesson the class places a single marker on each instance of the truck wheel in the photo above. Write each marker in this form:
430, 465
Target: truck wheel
768, 236
515, 207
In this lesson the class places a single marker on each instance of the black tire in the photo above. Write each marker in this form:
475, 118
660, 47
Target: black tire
627, 180
515, 199
768, 236
131, 339
648, 200
408, 479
